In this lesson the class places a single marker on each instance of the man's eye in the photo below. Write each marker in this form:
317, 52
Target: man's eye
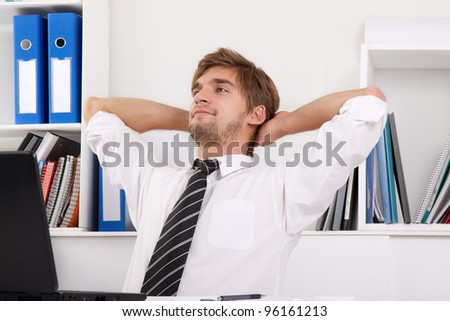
221, 90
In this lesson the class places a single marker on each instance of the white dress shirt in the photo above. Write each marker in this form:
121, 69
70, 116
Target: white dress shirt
251, 216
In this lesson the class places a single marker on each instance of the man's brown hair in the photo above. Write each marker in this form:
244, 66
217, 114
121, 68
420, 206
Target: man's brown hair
256, 86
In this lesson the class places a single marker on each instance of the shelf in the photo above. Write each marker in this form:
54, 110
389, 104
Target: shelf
43, 3
408, 56
8, 129
385, 232
80, 232
12, 135
8, 9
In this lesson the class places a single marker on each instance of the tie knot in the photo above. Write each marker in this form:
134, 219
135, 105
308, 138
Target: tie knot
206, 166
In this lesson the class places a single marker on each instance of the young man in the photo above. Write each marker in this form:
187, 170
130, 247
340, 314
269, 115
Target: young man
250, 217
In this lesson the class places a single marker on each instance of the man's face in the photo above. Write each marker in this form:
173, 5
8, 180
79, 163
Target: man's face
218, 109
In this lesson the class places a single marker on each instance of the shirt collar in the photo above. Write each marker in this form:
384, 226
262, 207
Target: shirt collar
233, 162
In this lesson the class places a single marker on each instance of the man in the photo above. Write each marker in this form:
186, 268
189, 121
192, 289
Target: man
250, 217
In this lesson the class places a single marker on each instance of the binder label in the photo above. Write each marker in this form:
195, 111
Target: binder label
27, 87
61, 75
111, 201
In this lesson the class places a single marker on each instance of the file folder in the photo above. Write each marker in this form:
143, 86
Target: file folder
64, 64
30, 69
112, 206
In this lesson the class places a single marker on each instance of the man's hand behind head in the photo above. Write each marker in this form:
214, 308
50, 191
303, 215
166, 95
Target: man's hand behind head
273, 129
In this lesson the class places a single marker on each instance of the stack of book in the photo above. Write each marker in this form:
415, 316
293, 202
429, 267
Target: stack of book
385, 181
59, 163
341, 214
435, 204
385, 184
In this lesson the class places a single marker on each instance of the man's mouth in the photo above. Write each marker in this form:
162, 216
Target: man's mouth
202, 111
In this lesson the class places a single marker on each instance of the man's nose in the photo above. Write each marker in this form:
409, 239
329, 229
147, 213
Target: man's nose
201, 96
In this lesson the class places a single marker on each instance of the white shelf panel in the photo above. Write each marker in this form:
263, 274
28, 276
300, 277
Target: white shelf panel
408, 228
15, 133
80, 232
381, 232
8, 9
72, 127
409, 56
38, 3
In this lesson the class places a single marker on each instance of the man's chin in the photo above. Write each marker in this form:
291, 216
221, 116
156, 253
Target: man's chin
202, 130
200, 139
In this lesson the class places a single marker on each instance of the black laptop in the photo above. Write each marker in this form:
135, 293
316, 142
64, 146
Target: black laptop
27, 267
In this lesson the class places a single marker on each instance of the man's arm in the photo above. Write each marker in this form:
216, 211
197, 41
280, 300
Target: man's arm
310, 116
139, 114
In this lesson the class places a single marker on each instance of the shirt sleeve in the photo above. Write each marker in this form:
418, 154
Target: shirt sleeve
341, 144
122, 153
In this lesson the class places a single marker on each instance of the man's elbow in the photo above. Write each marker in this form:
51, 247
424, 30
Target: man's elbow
375, 91
90, 107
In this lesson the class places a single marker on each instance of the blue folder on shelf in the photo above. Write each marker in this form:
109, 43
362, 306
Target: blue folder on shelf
112, 206
380, 148
370, 193
30, 69
390, 172
64, 63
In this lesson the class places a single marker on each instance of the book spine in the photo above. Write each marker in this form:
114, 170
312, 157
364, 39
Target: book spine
330, 214
47, 179
383, 178
339, 210
398, 171
55, 188
370, 187
65, 185
426, 199
441, 215
390, 172
70, 192
441, 198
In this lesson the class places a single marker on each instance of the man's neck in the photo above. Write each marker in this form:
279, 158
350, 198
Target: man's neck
217, 150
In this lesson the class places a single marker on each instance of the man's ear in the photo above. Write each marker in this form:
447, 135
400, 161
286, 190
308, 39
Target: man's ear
258, 115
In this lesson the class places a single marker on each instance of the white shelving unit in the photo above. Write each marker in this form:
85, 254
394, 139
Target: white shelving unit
10, 134
416, 81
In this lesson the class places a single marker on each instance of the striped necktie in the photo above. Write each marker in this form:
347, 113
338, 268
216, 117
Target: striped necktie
169, 257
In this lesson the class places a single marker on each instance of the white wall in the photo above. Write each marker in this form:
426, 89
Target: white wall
309, 48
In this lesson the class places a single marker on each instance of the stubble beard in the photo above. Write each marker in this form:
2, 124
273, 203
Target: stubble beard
210, 133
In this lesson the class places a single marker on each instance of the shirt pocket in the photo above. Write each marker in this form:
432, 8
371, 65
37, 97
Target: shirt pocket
232, 225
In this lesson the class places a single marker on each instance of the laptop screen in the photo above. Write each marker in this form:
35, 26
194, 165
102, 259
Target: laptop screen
27, 263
